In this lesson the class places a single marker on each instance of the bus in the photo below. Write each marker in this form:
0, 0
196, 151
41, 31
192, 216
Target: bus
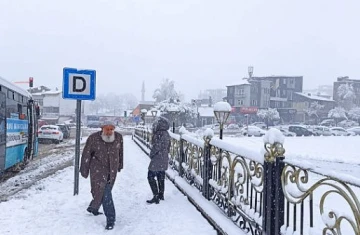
18, 126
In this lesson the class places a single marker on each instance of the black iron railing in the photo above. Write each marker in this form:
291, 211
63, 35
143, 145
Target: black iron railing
264, 195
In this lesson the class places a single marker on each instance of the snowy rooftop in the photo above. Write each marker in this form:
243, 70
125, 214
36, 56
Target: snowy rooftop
314, 97
14, 87
241, 82
51, 92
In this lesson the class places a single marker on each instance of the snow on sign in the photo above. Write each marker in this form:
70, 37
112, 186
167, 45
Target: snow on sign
79, 84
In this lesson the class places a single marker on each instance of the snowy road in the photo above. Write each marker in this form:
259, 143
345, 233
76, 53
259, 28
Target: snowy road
48, 207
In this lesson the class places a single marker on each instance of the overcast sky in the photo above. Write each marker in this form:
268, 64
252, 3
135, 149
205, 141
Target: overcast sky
199, 44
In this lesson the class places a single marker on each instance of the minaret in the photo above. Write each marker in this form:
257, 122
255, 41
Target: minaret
143, 92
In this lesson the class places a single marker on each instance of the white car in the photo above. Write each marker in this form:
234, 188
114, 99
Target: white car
261, 125
51, 133
355, 130
322, 131
286, 132
252, 131
233, 127
339, 131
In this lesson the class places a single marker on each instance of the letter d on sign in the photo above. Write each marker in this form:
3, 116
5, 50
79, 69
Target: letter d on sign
77, 83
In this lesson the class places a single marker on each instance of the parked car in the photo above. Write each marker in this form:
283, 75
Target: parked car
339, 131
356, 130
252, 131
233, 127
322, 130
347, 123
51, 133
261, 125
65, 130
328, 122
301, 131
286, 132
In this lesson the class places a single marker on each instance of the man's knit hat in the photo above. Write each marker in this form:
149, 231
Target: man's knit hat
107, 123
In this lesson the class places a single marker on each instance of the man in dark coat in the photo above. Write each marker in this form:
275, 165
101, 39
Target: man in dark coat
102, 157
159, 155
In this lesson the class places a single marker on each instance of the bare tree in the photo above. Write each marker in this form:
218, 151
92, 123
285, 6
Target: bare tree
130, 101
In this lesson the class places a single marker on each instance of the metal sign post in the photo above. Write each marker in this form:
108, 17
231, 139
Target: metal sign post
78, 85
77, 147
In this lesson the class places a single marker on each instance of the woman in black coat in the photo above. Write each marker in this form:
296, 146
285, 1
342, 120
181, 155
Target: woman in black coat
159, 155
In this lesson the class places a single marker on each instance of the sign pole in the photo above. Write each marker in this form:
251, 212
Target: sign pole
78, 85
77, 147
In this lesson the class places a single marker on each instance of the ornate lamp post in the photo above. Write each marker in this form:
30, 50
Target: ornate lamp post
154, 112
222, 111
143, 114
173, 111
247, 120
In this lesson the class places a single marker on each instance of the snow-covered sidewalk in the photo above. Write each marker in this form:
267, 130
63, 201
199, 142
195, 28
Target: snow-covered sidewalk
49, 206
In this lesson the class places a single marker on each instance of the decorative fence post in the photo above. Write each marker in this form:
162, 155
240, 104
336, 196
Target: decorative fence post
273, 201
181, 157
207, 169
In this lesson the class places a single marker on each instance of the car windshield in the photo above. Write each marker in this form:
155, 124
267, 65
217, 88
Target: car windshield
48, 128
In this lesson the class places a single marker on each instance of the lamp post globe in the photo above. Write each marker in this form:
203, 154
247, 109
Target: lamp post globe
222, 112
143, 114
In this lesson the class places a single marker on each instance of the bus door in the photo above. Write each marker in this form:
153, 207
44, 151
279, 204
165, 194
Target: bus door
2, 130
32, 129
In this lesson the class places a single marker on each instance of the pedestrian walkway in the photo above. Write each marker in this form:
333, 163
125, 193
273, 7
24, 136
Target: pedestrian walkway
49, 207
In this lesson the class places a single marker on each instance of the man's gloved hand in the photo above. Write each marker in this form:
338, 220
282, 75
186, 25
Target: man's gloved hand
119, 170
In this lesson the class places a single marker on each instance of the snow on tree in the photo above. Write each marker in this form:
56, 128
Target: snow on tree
268, 115
347, 95
271, 114
338, 114
262, 113
354, 114
166, 91
184, 111
314, 108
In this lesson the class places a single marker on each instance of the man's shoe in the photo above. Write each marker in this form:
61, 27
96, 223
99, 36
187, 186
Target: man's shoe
93, 211
109, 226
155, 200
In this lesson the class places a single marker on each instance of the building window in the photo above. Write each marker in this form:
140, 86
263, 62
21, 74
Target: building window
240, 91
290, 95
10, 94
291, 83
240, 102
284, 81
254, 102
277, 92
